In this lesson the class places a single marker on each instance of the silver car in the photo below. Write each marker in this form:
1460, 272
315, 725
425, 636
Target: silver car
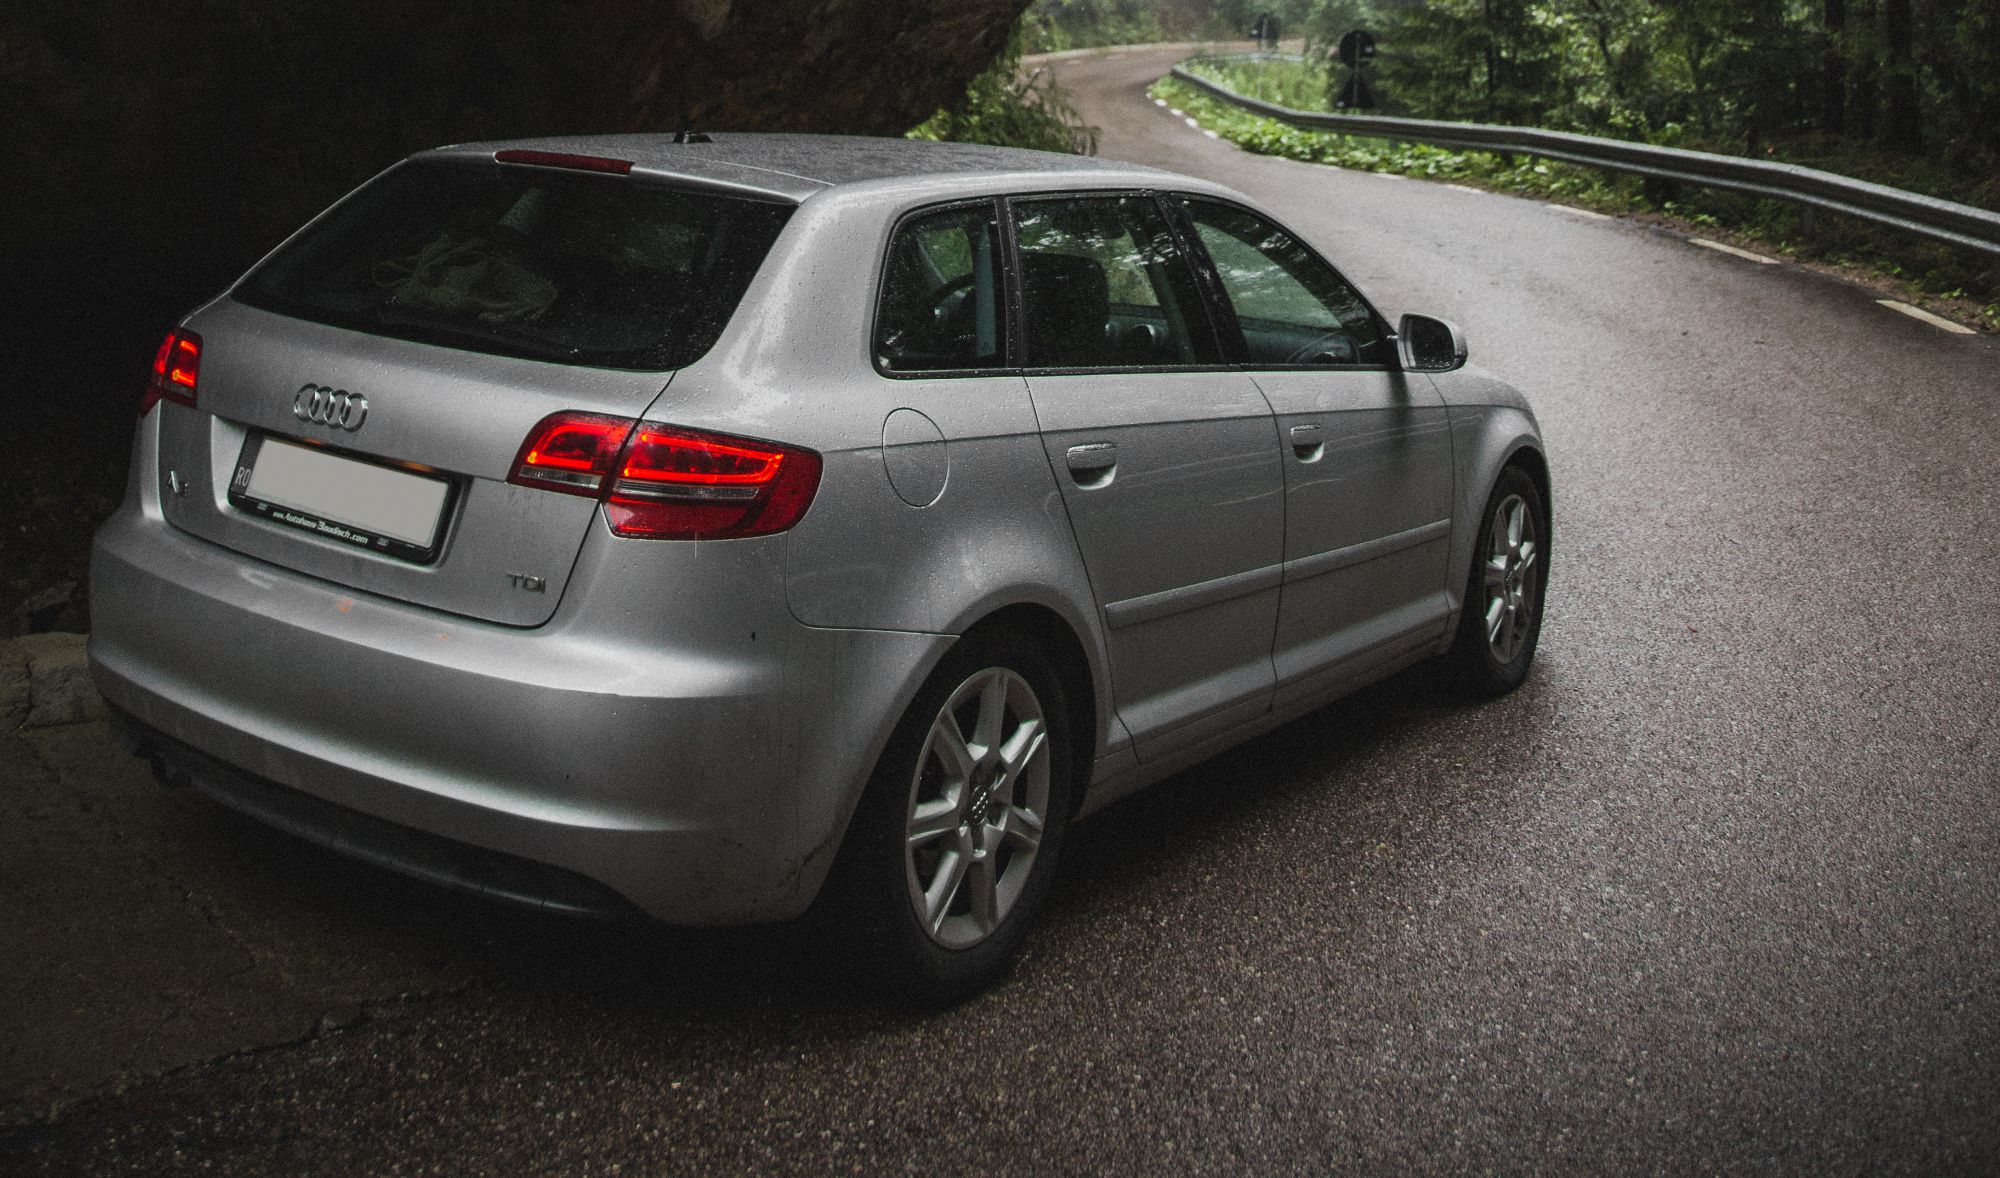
726, 529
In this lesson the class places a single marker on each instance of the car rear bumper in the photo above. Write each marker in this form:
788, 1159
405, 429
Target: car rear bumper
703, 772
412, 852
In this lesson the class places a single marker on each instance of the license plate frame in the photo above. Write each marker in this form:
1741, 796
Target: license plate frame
391, 509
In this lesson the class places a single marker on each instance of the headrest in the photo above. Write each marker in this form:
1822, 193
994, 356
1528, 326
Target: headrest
1068, 302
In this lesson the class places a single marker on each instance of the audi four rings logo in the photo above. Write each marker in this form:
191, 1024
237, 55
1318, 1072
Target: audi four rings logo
335, 407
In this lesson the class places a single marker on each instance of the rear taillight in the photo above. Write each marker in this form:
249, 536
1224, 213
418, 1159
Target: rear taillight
176, 370
662, 482
685, 485
571, 452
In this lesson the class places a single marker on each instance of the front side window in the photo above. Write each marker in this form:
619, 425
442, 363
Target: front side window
1293, 308
1102, 286
941, 308
604, 271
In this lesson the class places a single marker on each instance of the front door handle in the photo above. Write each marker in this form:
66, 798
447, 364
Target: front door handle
1093, 463
1308, 442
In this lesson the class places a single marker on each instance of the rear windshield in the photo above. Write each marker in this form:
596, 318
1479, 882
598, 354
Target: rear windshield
603, 271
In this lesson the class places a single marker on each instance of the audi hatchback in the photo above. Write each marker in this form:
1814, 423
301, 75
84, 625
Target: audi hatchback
724, 530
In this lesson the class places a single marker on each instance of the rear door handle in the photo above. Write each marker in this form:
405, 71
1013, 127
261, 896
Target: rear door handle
1093, 456
1093, 463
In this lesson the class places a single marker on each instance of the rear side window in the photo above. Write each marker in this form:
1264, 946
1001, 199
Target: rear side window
941, 307
1103, 286
603, 271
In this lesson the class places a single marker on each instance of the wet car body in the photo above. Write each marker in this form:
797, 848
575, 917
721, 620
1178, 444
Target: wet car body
1172, 528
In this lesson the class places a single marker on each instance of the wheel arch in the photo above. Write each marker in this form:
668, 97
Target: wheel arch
1051, 632
1530, 459
1054, 634
1486, 441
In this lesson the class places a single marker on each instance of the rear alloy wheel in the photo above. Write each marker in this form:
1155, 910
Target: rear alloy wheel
954, 844
1502, 617
978, 803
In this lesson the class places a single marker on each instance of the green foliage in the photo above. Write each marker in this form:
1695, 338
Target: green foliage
1083, 24
1919, 78
1940, 270
1584, 187
1743, 77
1806, 81
1913, 77
1003, 108
1300, 85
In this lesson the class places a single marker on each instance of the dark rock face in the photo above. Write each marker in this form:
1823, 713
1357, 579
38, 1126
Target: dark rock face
858, 66
160, 147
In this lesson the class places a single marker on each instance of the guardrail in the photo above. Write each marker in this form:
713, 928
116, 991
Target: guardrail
1941, 220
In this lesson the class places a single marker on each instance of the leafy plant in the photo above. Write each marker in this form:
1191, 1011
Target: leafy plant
1932, 267
1573, 185
1004, 108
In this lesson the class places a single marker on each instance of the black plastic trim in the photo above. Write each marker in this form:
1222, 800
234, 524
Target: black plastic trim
432, 858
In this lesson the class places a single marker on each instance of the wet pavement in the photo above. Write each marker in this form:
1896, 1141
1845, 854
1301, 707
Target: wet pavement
1718, 890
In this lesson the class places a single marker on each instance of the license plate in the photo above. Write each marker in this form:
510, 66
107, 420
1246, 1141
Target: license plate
386, 509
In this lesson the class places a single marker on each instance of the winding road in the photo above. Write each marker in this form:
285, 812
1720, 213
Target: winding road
1718, 890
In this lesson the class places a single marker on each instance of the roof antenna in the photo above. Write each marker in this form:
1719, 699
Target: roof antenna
687, 133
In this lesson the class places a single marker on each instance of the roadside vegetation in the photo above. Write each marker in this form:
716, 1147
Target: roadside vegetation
1958, 283
1899, 92
1056, 25
1006, 108
1584, 187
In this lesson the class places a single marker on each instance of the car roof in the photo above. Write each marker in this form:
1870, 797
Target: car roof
796, 167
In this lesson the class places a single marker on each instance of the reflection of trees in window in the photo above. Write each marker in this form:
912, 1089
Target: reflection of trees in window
940, 307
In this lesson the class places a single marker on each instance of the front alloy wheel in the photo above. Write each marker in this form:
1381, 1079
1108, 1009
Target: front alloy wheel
1502, 617
1511, 578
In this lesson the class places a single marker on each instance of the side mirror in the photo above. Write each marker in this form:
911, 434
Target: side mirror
1429, 345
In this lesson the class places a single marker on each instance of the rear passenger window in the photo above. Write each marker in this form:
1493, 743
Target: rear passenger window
941, 306
1102, 286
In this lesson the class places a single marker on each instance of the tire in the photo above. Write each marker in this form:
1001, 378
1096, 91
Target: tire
953, 846
1501, 620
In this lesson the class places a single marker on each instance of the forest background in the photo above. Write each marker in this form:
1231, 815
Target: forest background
1904, 93
1894, 83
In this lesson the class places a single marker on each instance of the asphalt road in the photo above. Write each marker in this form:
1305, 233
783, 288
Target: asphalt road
1718, 890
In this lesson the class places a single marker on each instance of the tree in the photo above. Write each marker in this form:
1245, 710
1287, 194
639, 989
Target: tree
1902, 117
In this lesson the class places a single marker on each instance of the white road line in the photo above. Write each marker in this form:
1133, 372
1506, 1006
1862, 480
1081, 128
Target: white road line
1388, 175
1465, 188
1919, 313
1211, 135
1159, 102
1177, 112
1192, 123
1595, 216
1732, 251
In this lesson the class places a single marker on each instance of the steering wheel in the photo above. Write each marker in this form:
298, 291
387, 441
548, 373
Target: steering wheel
950, 300
1331, 347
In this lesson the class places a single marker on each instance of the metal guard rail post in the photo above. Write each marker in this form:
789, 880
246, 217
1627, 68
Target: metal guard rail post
1941, 220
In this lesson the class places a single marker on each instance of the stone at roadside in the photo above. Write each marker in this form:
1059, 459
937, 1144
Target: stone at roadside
13, 685
45, 681
39, 609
